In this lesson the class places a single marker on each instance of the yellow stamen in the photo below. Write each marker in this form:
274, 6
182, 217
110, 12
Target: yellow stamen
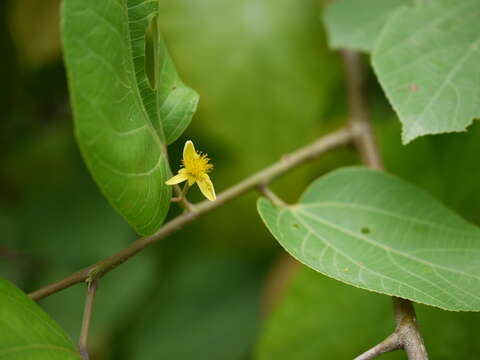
195, 169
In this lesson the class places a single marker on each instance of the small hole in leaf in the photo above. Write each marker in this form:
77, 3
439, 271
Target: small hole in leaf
365, 230
413, 87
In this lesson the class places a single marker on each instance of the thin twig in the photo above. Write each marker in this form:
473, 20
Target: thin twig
406, 332
181, 194
87, 316
269, 194
324, 144
391, 343
358, 106
182, 198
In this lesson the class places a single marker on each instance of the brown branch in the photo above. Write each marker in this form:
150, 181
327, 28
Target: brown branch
87, 316
358, 106
407, 335
391, 343
328, 142
181, 197
269, 194
410, 335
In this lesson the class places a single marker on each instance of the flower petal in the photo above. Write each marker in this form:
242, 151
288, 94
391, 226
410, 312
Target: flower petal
206, 187
180, 177
189, 152
190, 178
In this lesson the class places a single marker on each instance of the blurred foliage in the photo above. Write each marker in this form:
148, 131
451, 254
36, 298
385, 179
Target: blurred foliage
265, 80
272, 70
323, 318
204, 297
267, 85
41, 18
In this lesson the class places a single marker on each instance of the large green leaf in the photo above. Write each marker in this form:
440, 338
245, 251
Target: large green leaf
27, 332
374, 231
316, 307
119, 117
356, 24
426, 59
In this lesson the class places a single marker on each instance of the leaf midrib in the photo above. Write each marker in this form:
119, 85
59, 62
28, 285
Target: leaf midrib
383, 276
361, 266
387, 213
447, 81
382, 246
418, 31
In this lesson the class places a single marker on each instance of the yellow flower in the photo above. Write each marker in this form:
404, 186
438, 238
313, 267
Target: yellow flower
194, 170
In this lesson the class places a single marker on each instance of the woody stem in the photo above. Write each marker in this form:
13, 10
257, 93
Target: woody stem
307, 153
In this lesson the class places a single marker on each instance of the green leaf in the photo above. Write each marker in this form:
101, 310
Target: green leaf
426, 59
374, 231
174, 102
316, 307
356, 24
119, 117
437, 164
27, 332
177, 102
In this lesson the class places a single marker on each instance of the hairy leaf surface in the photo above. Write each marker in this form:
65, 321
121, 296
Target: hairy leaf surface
27, 332
123, 124
426, 59
356, 24
374, 231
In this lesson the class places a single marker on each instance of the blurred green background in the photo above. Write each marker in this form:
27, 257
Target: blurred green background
221, 288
